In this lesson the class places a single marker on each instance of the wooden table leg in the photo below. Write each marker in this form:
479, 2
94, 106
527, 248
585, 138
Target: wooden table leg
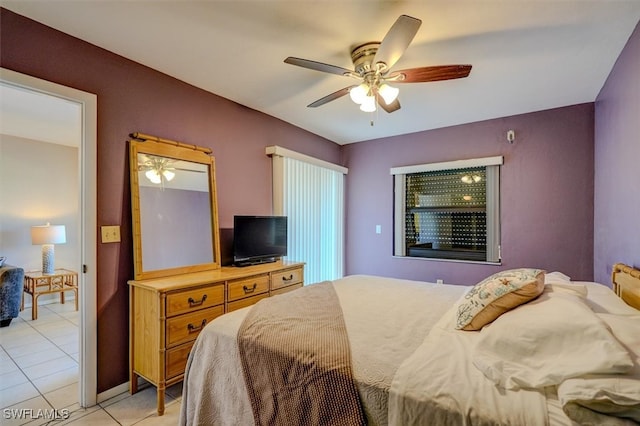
34, 307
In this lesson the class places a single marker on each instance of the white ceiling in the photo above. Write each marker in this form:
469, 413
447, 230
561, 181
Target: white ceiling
38, 116
527, 55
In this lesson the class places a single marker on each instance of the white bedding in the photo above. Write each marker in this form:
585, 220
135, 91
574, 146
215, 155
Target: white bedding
403, 340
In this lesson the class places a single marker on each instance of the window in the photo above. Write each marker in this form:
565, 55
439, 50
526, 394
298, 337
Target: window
448, 210
310, 192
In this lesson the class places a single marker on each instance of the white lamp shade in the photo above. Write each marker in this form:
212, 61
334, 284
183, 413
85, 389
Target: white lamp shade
48, 234
153, 176
388, 93
359, 93
369, 104
168, 174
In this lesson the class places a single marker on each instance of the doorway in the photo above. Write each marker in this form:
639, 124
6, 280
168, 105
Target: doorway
86, 217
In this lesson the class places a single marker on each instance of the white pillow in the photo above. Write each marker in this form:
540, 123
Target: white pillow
586, 399
546, 341
602, 299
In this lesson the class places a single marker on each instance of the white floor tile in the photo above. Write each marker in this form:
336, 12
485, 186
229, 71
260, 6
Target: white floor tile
39, 364
33, 358
57, 380
37, 345
57, 328
96, 418
16, 394
49, 367
170, 417
76, 412
32, 411
64, 397
66, 339
17, 324
136, 407
11, 379
7, 366
17, 336
70, 348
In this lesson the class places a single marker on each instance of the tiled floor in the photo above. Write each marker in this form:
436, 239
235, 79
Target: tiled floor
39, 377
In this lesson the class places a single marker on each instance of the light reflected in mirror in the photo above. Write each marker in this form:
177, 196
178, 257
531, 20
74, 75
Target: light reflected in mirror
175, 212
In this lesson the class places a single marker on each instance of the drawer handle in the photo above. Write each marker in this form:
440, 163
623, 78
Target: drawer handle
287, 279
248, 290
193, 328
193, 303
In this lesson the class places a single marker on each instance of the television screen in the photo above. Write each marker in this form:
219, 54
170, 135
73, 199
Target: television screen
259, 239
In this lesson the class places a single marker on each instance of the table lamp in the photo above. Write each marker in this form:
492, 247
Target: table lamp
47, 236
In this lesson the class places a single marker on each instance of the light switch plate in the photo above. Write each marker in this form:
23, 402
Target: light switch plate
110, 234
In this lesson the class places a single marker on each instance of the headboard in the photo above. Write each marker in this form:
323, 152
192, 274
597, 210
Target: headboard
626, 284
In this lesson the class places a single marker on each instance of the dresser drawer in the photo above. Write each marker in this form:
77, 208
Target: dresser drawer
198, 298
248, 287
248, 301
177, 360
286, 289
286, 278
185, 328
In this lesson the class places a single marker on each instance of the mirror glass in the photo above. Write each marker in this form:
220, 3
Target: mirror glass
174, 210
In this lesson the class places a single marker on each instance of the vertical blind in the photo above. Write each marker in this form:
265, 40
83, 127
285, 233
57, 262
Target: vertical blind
312, 198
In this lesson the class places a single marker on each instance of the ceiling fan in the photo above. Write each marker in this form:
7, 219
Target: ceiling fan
372, 63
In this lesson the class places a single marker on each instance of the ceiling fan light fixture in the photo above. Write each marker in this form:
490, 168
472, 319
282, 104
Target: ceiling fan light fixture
168, 175
369, 104
388, 93
359, 93
153, 176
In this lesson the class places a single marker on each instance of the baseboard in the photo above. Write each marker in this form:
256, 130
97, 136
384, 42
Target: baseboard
121, 388
110, 393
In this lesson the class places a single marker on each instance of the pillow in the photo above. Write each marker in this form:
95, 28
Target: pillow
497, 294
585, 398
551, 339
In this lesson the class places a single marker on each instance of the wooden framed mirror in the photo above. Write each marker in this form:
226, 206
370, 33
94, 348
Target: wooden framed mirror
174, 207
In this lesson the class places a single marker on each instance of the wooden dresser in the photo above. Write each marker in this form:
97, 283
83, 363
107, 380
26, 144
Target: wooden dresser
167, 314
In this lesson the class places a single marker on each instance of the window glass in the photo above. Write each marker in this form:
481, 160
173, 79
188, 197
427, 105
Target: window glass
448, 213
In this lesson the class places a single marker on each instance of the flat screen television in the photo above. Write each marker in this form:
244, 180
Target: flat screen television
259, 239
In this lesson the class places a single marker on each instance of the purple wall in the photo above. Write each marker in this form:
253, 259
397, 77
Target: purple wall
135, 98
617, 164
546, 194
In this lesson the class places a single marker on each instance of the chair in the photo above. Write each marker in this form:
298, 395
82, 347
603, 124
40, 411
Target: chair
11, 285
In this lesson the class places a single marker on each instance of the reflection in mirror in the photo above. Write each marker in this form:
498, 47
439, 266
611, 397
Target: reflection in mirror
175, 212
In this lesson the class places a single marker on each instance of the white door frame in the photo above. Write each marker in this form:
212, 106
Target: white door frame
87, 218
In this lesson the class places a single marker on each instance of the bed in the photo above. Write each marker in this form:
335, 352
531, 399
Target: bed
566, 353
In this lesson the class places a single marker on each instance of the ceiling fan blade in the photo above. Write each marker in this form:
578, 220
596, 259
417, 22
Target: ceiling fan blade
317, 66
397, 40
331, 97
393, 106
435, 73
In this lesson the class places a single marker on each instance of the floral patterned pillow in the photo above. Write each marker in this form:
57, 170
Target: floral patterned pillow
498, 294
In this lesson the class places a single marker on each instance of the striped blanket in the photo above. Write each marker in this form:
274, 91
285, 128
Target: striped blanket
296, 360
